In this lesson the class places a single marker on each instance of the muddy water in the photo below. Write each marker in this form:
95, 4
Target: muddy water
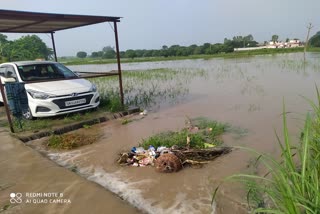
245, 92
23, 170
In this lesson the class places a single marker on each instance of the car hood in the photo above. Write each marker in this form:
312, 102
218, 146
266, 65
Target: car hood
61, 87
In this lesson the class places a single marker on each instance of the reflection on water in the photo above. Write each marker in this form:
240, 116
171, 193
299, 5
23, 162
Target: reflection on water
245, 92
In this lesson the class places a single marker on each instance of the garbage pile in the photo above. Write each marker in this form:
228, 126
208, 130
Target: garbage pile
170, 159
162, 157
194, 145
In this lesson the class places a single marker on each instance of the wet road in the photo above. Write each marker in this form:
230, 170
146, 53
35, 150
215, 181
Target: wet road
24, 170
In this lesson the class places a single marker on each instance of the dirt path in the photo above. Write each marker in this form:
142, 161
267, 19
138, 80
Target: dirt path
23, 170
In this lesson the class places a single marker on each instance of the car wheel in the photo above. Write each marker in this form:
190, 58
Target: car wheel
27, 114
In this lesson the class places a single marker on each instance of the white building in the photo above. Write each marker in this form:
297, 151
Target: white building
293, 43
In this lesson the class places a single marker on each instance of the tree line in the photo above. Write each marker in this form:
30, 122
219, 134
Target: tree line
29, 47
314, 41
176, 50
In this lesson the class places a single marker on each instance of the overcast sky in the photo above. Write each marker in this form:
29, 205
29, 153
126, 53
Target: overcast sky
149, 24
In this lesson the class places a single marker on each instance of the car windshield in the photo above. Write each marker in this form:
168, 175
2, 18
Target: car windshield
48, 71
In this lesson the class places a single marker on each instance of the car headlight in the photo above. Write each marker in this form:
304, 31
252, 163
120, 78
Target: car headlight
93, 88
38, 94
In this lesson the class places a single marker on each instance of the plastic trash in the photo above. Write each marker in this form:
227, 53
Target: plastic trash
133, 150
152, 148
145, 112
139, 156
152, 151
140, 150
146, 161
161, 148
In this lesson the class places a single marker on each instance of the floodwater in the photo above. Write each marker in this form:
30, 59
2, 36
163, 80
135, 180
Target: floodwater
245, 92
23, 170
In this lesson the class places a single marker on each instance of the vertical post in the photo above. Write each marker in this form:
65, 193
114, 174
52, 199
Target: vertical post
5, 103
54, 47
118, 60
307, 41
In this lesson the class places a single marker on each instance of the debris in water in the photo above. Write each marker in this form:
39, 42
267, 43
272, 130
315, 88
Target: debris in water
195, 145
168, 163
170, 159
145, 112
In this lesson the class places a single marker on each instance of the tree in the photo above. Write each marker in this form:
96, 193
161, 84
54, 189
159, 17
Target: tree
122, 54
109, 54
94, 54
130, 54
139, 53
172, 51
248, 38
198, 50
314, 41
3, 42
107, 48
29, 47
274, 38
148, 53
164, 47
3, 38
81, 54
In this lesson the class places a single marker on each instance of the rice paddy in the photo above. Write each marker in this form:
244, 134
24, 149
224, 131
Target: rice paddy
146, 88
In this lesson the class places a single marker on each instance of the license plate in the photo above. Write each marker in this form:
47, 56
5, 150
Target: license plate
75, 102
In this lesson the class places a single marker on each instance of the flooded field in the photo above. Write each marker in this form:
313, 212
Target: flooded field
244, 92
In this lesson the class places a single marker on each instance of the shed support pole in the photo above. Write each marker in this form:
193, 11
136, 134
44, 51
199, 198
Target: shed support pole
54, 48
118, 61
5, 103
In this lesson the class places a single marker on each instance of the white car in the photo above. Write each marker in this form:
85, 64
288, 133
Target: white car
52, 88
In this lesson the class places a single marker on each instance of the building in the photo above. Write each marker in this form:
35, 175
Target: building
293, 43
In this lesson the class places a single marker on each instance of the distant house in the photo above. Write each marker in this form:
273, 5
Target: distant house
276, 44
293, 43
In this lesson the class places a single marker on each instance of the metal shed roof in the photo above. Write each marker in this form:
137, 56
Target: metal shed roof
12, 21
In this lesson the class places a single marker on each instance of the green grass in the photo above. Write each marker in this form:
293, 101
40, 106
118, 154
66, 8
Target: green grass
30, 125
53, 122
313, 49
69, 141
77, 61
5, 207
292, 182
126, 121
197, 139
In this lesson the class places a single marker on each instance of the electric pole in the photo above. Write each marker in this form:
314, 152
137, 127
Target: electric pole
307, 41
